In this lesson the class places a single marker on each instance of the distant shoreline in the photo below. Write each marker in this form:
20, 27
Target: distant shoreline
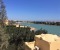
47, 24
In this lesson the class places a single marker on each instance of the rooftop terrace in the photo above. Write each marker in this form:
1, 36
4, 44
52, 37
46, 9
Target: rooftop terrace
48, 37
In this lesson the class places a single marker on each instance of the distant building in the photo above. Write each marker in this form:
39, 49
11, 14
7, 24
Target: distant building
6, 22
17, 25
47, 42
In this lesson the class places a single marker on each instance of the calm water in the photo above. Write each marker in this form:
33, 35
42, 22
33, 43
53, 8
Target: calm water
50, 28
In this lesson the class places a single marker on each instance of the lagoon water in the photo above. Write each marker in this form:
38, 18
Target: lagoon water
50, 28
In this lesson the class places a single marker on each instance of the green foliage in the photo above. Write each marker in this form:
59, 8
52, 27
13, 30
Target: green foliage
3, 39
19, 35
25, 32
41, 31
19, 31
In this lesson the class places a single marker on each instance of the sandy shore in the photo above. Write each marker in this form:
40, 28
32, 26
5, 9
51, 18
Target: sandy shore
32, 28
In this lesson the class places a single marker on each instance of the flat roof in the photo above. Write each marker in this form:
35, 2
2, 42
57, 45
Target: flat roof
48, 37
30, 44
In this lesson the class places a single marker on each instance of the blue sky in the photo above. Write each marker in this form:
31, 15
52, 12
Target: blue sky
38, 10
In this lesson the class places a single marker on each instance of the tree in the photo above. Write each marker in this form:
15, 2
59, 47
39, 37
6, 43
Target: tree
3, 15
17, 41
41, 31
3, 39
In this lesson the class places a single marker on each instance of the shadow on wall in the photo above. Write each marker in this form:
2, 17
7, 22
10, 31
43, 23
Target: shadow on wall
27, 48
